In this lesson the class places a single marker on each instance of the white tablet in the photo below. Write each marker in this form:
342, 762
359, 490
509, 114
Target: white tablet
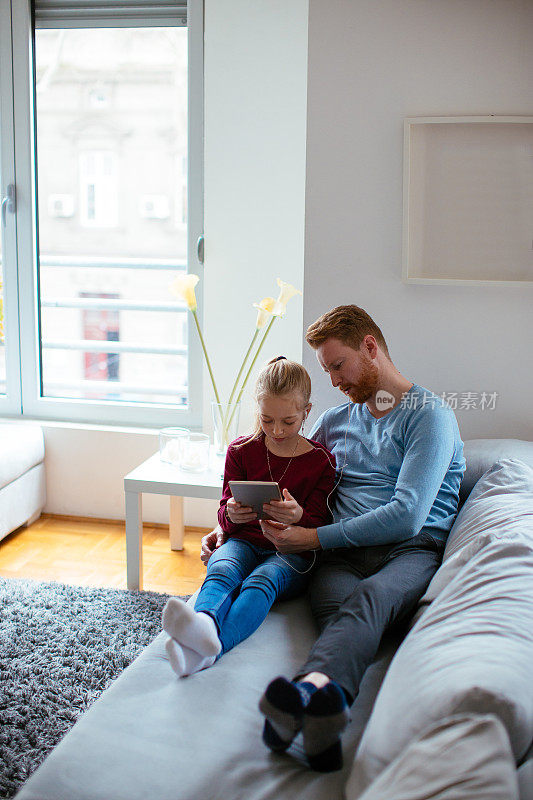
254, 494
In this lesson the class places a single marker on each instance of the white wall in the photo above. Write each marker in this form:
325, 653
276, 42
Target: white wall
86, 465
255, 131
372, 63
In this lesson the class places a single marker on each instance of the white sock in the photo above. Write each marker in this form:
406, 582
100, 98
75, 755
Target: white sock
195, 630
175, 656
185, 661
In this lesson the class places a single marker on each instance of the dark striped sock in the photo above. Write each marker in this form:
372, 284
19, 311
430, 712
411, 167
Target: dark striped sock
283, 704
306, 690
326, 716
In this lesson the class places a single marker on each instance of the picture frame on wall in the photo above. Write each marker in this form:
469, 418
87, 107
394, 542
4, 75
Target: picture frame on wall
468, 200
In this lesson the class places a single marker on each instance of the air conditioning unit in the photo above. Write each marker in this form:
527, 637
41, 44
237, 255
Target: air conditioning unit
61, 205
154, 206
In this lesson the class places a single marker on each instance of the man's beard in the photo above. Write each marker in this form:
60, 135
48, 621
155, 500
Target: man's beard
366, 385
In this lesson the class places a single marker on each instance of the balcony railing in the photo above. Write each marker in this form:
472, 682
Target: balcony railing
114, 387
105, 346
115, 263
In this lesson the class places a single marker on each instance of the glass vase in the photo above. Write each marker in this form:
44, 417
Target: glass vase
225, 425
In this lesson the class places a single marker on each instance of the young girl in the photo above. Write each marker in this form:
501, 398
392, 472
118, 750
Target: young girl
245, 575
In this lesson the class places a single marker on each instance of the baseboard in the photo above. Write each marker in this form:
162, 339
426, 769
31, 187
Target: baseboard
104, 521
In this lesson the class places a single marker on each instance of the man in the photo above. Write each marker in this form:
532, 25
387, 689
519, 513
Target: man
399, 459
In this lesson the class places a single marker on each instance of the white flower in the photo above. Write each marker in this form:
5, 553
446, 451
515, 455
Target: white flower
183, 287
265, 311
287, 291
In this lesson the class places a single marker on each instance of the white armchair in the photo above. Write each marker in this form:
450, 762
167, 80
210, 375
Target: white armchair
22, 476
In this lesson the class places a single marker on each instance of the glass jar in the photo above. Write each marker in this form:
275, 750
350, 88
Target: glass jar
195, 452
170, 444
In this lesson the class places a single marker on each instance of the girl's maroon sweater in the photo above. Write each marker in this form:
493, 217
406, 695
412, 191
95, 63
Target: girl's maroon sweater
309, 478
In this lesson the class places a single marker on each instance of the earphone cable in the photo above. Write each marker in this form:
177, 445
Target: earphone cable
329, 495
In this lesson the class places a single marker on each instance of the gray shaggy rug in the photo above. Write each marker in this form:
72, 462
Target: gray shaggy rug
60, 647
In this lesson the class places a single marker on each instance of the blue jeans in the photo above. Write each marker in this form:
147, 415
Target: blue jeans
241, 584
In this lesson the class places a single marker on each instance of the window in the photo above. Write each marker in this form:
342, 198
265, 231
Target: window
113, 111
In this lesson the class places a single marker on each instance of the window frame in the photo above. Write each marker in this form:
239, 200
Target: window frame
11, 401
30, 402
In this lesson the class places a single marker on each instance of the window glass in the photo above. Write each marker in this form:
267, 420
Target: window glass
111, 111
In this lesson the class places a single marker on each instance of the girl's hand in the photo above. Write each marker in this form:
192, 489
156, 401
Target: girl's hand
211, 542
239, 514
286, 511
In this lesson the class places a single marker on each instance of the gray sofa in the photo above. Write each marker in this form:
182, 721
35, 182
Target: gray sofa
151, 735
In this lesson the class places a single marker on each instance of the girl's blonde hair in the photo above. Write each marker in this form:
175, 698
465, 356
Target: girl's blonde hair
279, 377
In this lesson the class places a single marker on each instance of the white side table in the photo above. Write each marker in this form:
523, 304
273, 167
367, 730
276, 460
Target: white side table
154, 476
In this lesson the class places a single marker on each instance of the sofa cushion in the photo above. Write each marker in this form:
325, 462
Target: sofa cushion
21, 448
152, 734
480, 455
465, 757
470, 652
500, 505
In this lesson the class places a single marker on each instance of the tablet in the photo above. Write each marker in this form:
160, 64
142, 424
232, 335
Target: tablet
254, 494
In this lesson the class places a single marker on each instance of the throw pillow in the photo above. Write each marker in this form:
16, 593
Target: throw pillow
500, 505
470, 652
465, 757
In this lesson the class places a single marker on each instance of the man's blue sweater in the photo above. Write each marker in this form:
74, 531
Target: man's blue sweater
401, 473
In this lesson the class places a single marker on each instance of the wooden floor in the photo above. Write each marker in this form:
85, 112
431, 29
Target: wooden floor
93, 553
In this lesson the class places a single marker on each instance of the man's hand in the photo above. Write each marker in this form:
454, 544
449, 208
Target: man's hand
210, 542
291, 538
286, 511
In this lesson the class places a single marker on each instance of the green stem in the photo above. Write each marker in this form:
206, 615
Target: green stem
261, 343
206, 356
237, 379
223, 428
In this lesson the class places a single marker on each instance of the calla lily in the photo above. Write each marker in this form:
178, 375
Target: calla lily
183, 287
268, 310
287, 291
265, 311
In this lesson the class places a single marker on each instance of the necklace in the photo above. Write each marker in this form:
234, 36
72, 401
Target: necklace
286, 468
